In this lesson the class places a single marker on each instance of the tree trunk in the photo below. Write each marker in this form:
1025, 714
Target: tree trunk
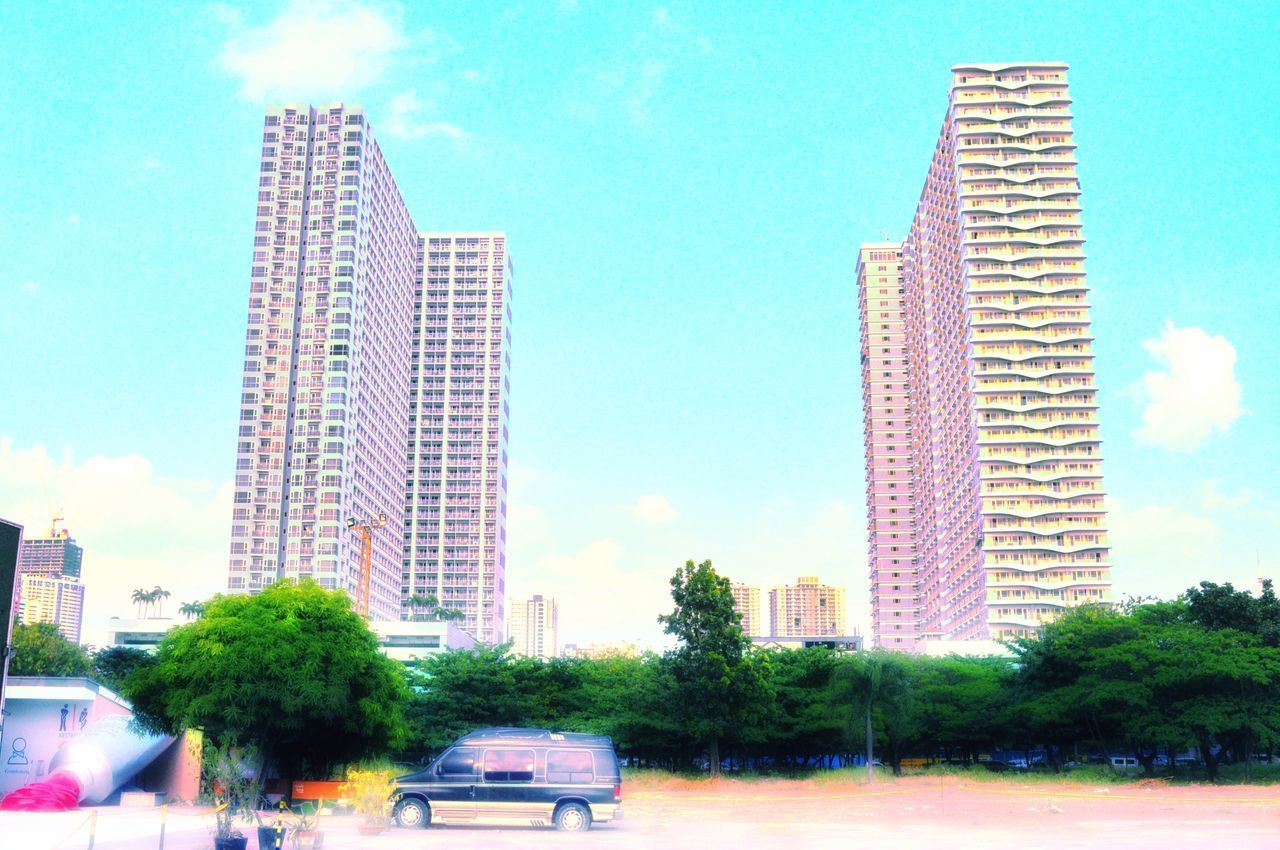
715, 756
870, 777
1210, 760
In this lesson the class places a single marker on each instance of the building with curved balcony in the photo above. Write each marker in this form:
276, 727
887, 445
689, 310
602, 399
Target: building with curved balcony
985, 499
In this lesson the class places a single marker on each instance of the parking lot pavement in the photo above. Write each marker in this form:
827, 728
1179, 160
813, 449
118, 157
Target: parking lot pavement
895, 815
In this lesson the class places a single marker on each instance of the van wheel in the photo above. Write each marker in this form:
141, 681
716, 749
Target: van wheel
572, 817
412, 813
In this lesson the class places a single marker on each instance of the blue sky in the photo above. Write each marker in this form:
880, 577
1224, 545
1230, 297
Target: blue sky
684, 186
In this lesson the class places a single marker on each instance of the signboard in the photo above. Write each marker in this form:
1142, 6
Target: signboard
10, 540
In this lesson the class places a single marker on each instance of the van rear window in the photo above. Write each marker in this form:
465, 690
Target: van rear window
571, 766
508, 766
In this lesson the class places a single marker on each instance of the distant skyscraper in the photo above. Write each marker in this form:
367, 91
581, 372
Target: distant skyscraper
52, 599
806, 609
534, 627
985, 499
48, 582
325, 405
746, 600
456, 514
54, 555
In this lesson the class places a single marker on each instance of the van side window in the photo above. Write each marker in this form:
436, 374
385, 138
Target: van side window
508, 765
571, 766
458, 762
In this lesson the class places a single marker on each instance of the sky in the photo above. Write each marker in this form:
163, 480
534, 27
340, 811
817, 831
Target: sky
684, 187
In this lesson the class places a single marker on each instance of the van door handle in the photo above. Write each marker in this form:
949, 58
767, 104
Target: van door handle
473, 792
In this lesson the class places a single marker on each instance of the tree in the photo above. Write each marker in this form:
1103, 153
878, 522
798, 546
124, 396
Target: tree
39, 649
871, 690
158, 595
714, 689
1223, 607
190, 610
419, 603
113, 664
141, 597
292, 671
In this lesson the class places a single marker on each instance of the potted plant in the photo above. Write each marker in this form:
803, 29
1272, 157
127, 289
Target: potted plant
271, 836
369, 790
305, 832
233, 793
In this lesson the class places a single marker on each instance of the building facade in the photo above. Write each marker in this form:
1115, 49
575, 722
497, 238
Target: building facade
324, 406
56, 554
456, 494
47, 586
534, 627
806, 609
886, 439
52, 599
994, 360
746, 601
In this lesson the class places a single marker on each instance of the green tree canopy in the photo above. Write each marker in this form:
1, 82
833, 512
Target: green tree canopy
292, 671
39, 649
715, 691
113, 664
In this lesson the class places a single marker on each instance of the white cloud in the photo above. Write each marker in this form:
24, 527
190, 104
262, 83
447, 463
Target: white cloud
74, 219
138, 529
472, 75
330, 48
31, 287
661, 17
653, 510
1161, 550
1194, 393
402, 120
643, 89
604, 597
151, 163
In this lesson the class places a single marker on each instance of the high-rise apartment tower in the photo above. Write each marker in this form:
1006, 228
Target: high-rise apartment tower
746, 600
534, 627
806, 609
456, 493
325, 401
980, 405
48, 588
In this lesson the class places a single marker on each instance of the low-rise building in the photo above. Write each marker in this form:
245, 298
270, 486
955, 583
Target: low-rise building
839, 643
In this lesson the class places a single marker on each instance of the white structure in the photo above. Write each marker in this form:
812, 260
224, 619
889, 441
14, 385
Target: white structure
138, 634
534, 627
405, 641
456, 514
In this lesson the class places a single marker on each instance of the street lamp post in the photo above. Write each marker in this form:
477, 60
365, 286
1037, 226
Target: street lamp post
365, 528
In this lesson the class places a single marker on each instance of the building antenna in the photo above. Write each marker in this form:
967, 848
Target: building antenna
884, 236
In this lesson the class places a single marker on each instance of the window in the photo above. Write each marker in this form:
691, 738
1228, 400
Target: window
572, 766
458, 762
508, 766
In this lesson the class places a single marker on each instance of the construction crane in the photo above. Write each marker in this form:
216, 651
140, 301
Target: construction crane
366, 529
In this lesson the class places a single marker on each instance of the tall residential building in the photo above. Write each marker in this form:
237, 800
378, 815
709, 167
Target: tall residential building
887, 437
986, 327
456, 495
47, 585
52, 599
746, 600
533, 627
325, 407
806, 609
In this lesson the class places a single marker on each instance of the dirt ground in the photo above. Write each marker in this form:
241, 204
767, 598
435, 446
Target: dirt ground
912, 812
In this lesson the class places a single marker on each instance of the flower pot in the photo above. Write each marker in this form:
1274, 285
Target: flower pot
239, 842
309, 839
372, 828
269, 838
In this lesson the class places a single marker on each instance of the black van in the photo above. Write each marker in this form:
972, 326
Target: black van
531, 776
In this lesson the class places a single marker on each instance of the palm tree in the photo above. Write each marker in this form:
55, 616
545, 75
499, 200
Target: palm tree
139, 597
191, 609
159, 595
418, 602
446, 614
